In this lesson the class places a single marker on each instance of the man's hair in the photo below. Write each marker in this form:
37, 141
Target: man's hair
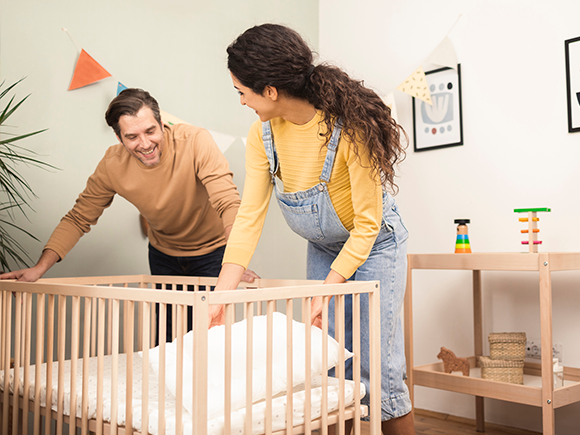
129, 102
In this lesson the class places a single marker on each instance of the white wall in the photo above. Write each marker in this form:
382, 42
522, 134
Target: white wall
175, 50
517, 153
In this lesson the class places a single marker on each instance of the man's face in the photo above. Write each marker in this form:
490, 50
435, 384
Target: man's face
142, 136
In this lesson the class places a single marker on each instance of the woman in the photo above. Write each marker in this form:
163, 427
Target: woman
334, 145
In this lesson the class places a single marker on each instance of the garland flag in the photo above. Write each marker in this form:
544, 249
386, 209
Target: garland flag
416, 86
87, 71
120, 88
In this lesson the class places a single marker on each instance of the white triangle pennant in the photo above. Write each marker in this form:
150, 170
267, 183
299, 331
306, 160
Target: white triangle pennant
389, 100
223, 141
443, 55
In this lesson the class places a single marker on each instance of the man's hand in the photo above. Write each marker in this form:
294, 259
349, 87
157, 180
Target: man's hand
216, 315
25, 275
46, 261
249, 276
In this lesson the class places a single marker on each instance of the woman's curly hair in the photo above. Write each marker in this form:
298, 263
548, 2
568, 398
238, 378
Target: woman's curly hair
275, 55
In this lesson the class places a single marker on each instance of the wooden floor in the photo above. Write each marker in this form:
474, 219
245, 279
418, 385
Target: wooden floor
434, 423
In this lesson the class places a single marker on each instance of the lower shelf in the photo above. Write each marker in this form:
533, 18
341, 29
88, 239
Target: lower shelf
432, 375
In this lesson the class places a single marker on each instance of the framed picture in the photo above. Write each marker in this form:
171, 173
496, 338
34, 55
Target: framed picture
573, 83
439, 125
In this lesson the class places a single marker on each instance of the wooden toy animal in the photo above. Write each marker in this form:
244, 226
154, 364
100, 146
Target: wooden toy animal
451, 363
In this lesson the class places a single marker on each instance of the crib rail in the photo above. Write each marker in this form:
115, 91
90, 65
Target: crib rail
55, 322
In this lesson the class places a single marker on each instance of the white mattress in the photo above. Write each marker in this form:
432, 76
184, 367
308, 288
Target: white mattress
215, 426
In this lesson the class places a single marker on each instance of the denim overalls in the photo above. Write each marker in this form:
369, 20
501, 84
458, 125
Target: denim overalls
310, 214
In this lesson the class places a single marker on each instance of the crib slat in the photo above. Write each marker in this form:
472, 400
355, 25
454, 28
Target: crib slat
100, 364
340, 333
87, 345
40, 307
229, 312
129, 343
17, 345
61, 342
49, 359
146, 307
27, 349
162, 335
306, 318
173, 315
8, 326
324, 399
4, 328
154, 326
289, 367
73, 363
114, 364
93, 326
356, 361
249, 311
110, 328
179, 369
269, 362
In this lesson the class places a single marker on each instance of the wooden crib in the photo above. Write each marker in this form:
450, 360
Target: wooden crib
81, 325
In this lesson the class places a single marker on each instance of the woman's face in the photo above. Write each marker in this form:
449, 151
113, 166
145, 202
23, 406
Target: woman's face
264, 105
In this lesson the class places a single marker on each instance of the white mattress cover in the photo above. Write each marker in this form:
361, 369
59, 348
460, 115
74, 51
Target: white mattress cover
215, 426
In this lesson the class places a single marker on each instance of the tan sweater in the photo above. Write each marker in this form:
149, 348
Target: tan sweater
187, 198
357, 198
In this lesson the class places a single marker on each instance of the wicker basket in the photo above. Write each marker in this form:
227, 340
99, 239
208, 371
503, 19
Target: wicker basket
507, 345
502, 370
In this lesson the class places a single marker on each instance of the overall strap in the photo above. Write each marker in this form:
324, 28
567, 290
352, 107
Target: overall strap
331, 153
270, 150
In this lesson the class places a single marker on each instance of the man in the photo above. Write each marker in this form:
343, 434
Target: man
177, 178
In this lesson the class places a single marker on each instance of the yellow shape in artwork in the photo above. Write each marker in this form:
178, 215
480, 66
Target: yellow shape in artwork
416, 86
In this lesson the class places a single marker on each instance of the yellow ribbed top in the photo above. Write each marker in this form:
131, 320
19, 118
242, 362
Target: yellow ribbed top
357, 198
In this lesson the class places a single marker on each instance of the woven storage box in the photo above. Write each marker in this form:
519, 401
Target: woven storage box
507, 345
502, 370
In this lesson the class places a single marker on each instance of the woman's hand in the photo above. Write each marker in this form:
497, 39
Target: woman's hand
316, 312
249, 276
216, 316
317, 302
229, 278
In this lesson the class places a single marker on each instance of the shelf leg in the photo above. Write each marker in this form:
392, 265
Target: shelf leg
548, 421
479, 416
408, 315
478, 343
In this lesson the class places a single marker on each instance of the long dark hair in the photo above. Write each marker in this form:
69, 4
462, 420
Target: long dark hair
275, 55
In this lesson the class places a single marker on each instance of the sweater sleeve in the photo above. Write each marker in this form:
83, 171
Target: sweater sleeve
89, 206
256, 198
367, 202
213, 170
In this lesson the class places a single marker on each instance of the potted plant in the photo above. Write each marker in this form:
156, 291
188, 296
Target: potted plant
15, 192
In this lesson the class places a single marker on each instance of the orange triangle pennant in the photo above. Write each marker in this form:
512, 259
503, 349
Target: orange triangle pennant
87, 71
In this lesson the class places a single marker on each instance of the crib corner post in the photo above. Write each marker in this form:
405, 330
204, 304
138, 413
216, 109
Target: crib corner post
200, 352
375, 355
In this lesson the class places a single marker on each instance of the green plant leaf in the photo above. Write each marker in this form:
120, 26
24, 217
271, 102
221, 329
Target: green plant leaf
15, 191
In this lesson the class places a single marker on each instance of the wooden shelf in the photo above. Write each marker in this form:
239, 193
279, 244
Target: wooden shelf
538, 378
433, 376
496, 261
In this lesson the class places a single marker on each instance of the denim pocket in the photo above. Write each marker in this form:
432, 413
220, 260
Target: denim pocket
303, 220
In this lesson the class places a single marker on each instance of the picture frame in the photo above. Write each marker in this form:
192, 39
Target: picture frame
573, 83
439, 125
